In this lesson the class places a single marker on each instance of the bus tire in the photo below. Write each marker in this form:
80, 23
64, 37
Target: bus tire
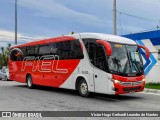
29, 81
83, 88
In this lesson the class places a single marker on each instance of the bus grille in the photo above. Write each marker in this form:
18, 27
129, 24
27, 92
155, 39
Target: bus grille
131, 83
131, 89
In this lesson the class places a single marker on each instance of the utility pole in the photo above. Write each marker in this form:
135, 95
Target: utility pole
15, 22
115, 17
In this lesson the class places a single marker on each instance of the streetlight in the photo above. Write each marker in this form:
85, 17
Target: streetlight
15, 22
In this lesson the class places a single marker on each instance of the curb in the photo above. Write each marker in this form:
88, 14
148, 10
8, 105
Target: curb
151, 90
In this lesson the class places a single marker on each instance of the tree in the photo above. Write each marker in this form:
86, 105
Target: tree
8, 46
2, 49
4, 55
7, 49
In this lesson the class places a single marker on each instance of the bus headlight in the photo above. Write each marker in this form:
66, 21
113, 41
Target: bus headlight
143, 80
116, 81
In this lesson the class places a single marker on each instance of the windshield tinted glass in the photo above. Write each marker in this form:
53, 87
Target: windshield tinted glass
135, 59
125, 60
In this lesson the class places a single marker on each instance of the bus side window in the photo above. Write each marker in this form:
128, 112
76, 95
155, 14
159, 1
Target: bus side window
77, 52
53, 49
59, 50
30, 51
24, 51
96, 54
68, 49
100, 58
16, 55
13, 56
44, 49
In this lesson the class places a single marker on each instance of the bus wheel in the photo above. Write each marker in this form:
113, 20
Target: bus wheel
29, 81
83, 88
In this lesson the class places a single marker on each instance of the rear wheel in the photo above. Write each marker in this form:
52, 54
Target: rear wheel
83, 88
29, 81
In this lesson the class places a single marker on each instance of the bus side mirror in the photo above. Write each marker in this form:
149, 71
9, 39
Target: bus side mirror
107, 46
146, 49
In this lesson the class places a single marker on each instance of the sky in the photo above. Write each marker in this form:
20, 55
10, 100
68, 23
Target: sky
39, 19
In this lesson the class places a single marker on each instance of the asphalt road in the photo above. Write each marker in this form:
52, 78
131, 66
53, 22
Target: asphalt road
16, 96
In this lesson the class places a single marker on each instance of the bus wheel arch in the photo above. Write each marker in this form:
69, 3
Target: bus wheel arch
82, 86
29, 80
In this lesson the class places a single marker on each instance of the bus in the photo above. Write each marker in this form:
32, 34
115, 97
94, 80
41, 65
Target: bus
87, 62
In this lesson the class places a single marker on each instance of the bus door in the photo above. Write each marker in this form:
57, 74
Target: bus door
98, 59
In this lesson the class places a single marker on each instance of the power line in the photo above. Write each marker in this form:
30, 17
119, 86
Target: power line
142, 18
154, 28
135, 16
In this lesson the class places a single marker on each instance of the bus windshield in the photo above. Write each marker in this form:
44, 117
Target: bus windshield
125, 60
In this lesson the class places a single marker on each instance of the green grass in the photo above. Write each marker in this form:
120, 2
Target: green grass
153, 86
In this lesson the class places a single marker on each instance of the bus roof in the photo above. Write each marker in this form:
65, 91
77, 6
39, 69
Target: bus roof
101, 36
107, 37
45, 41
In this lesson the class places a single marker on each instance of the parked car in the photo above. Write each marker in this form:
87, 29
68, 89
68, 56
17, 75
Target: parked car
4, 74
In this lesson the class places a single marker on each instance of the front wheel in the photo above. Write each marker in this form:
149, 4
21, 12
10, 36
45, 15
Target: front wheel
83, 88
29, 81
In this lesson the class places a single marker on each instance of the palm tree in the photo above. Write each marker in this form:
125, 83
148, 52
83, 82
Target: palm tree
1, 61
8, 46
8, 49
7, 52
2, 49
3, 57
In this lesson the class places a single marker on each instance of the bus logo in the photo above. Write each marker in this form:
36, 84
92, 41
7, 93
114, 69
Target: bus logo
44, 65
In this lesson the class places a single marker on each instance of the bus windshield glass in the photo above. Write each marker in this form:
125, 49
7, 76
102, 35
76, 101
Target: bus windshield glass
125, 60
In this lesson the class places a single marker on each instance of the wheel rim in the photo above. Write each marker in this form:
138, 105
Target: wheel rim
29, 82
83, 88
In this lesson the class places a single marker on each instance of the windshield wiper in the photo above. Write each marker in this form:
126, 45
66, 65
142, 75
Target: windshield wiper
133, 64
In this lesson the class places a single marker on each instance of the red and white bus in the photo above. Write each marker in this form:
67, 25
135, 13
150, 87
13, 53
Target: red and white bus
87, 62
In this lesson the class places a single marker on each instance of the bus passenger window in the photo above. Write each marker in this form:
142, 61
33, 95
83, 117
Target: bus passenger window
16, 55
96, 54
53, 49
45, 49
67, 49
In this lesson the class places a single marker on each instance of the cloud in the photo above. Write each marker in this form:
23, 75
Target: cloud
51, 8
54, 17
9, 37
91, 21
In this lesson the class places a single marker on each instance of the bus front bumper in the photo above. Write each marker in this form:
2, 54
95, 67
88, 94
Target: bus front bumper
128, 88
